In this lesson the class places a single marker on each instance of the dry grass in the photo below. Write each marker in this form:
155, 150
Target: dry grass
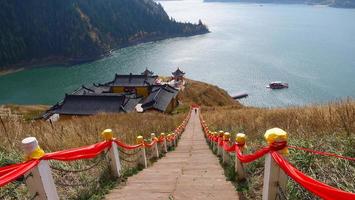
80, 131
77, 132
323, 127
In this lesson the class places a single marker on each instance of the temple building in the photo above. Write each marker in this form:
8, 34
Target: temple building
178, 75
138, 84
91, 104
163, 98
147, 72
125, 93
94, 89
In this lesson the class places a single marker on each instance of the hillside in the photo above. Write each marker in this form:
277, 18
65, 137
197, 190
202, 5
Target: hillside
44, 32
331, 3
205, 94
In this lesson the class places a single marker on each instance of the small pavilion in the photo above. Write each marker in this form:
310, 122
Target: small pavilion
178, 75
147, 72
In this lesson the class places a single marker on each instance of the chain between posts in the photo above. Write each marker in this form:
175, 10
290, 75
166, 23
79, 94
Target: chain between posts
128, 154
80, 170
129, 161
86, 183
95, 180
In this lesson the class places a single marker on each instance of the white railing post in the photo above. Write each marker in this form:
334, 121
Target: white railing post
155, 146
240, 140
170, 142
165, 147
40, 180
220, 138
274, 176
225, 154
113, 154
175, 140
214, 146
115, 160
143, 155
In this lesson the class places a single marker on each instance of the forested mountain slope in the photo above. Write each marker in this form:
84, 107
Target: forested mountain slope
57, 31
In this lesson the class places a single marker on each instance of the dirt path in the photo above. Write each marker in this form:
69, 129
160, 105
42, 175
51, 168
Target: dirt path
189, 172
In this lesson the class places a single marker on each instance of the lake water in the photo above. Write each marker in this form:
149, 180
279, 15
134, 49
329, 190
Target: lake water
311, 48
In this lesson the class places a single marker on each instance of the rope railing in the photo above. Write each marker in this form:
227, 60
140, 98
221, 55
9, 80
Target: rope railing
42, 185
277, 168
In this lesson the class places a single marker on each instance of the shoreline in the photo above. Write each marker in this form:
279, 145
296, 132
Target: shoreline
68, 61
10, 71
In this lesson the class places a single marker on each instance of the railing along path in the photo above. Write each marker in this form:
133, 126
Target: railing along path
190, 172
277, 167
43, 172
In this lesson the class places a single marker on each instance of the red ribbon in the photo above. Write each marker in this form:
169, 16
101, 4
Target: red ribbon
126, 146
149, 144
85, 152
322, 153
251, 157
316, 187
228, 148
12, 172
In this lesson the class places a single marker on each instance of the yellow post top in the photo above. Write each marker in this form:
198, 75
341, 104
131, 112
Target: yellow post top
107, 134
240, 138
32, 149
140, 139
226, 136
276, 135
221, 133
36, 154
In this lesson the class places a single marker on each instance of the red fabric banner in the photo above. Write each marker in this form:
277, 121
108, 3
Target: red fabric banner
12, 172
126, 146
146, 144
251, 157
220, 142
318, 188
228, 148
321, 153
160, 140
85, 152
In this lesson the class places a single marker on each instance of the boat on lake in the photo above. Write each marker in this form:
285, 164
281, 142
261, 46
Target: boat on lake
277, 85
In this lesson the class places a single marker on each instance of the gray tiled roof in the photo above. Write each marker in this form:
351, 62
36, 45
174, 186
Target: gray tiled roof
93, 104
160, 97
178, 72
94, 89
147, 72
132, 80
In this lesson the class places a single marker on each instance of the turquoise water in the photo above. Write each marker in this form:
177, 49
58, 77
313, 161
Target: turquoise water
311, 48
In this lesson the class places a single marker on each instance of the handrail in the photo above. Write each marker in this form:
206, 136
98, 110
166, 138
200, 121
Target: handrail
12, 172
316, 187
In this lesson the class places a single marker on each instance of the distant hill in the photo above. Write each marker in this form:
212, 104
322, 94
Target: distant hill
57, 31
331, 3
